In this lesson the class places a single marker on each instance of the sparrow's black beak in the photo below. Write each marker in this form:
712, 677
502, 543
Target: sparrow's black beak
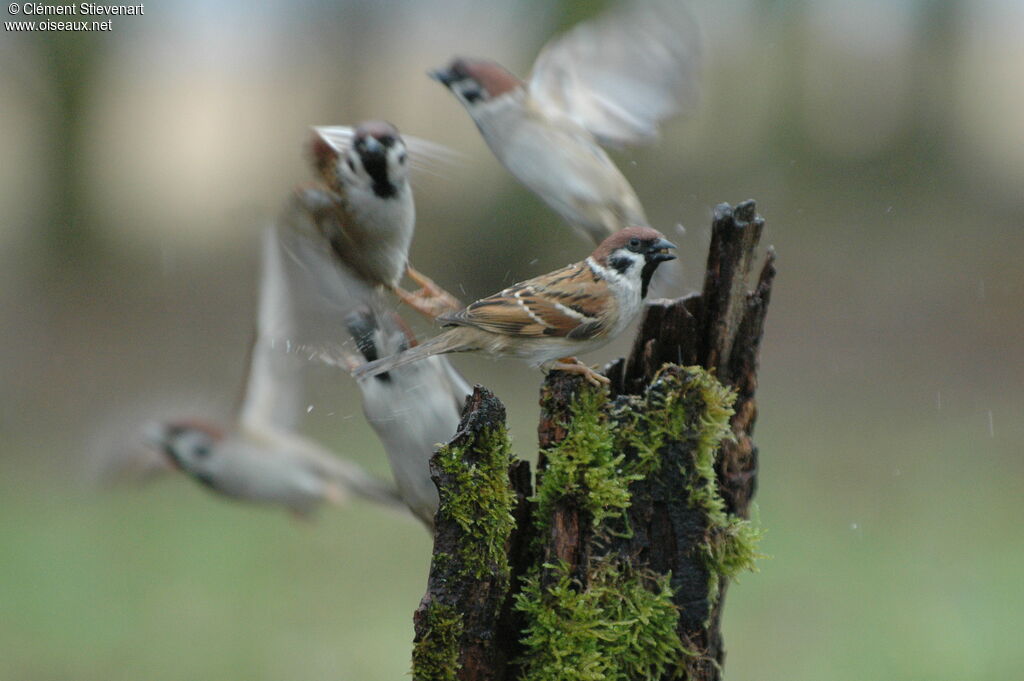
658, 251
373, 152
443, 76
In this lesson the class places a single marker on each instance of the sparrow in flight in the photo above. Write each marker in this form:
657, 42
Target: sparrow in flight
261, 458
609, 81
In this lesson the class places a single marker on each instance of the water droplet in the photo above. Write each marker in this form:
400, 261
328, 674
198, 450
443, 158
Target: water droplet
854, 526
991, 425
309, 409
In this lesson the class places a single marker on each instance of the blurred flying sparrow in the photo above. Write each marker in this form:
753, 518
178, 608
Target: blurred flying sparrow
608, 81
364, 214
411, 408
261, 458
549, 318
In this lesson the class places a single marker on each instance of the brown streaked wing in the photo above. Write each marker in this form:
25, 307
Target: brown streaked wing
571, 302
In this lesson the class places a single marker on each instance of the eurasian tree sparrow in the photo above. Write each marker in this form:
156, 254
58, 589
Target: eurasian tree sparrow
411, 408
261, 458
608, 81
364, 214
549, 318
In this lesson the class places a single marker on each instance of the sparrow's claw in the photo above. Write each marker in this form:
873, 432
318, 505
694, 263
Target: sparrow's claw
572, 365
430, 300
426, 304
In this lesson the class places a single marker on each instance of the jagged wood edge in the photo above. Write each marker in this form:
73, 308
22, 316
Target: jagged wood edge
719, 329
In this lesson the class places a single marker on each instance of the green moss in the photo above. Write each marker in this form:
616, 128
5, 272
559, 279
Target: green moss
435, 657
673, 414
590, 468
620, 626
615, 623
480, 500
584, 466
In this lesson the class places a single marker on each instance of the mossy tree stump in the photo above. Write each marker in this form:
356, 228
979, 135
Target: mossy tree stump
615, 565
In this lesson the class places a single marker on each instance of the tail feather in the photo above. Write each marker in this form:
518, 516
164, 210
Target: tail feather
437, 345
353, 479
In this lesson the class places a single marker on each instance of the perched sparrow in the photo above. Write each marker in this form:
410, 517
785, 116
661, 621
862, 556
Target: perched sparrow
411, 408
549, 318
364, 214
262, 459
608, 81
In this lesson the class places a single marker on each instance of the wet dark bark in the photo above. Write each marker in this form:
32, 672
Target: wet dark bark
719, 329
487, 633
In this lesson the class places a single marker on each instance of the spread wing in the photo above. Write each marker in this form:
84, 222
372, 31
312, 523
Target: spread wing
572, 302
423, 154
317, 234
623, 72
303, 297
273, 390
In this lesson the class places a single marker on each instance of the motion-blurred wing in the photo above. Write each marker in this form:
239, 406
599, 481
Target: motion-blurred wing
273, 390
274, 394
423, 154
324, 288
622, 73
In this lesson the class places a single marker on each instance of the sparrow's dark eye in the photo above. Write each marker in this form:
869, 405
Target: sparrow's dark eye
634, 244
351, 165
401, 157
202, 451
472, 94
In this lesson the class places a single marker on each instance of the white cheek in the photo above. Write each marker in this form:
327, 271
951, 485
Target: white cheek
397, 170
630, 278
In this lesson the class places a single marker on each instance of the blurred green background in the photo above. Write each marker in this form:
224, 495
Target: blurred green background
884, 142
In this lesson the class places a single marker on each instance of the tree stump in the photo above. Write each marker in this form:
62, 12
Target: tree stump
613, 564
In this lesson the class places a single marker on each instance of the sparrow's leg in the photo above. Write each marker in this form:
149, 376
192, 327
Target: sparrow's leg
574, 366
430, 300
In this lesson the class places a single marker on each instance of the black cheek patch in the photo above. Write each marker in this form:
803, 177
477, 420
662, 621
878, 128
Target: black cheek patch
620, 264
